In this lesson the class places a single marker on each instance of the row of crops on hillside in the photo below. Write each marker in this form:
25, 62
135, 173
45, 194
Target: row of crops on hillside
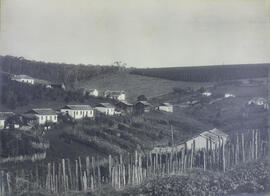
207, 73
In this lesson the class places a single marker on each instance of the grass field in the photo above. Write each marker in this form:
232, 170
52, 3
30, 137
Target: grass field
136, 85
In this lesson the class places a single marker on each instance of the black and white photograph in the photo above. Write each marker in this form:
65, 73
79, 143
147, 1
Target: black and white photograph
134, 98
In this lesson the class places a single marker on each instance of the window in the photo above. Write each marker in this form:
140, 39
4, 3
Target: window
76, 112
55, 117
50, 118
81, 113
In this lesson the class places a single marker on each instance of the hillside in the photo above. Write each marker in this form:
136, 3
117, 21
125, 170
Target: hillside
136, 85
207, 73
54, 72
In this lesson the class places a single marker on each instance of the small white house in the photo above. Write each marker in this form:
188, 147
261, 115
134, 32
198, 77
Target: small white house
167, 107
3, 117
105, 108
207, 139
116, 95
257, 101
44, 115
93, 92
228, 95
207, 93
78, 111
23, 79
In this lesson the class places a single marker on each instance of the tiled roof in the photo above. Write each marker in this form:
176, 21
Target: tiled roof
106, 105
144, 103
91, 90
210, 135
22, 77
78, 107
218, 132
166, 104
43, 111
213, 134
126, 103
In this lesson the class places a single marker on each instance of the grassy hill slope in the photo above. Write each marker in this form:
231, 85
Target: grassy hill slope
135, 85
207, 73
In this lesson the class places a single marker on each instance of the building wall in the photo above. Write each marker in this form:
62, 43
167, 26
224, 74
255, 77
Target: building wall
107, 111
121, 97
166, 108
78, 114
29, 81
94, 93
201, 143
42, 119
2, 124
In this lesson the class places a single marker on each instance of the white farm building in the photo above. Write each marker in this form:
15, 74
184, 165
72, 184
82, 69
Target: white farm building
23, 79
44, 115
78, 111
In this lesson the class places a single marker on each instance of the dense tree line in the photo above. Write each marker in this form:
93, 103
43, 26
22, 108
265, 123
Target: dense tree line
207, 73
14, 94
57, 72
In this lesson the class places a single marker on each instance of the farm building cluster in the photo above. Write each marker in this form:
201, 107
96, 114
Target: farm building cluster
45, 116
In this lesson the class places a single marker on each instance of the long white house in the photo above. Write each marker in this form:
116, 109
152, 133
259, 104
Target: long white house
23, 79
105, 108
44, 115
78, 111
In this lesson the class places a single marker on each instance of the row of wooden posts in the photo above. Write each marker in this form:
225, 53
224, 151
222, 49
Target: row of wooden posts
91, 173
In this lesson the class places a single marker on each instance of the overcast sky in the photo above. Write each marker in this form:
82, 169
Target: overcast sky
142, 33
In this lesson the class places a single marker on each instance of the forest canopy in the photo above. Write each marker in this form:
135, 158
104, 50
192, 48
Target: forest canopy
56, 72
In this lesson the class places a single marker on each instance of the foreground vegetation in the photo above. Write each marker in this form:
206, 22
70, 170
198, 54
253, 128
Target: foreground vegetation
245, 178
252, 177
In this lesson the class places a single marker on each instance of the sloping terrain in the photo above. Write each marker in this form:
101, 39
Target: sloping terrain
211, 73
136, 85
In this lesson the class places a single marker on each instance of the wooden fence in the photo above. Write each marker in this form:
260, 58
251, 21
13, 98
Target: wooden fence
91, 173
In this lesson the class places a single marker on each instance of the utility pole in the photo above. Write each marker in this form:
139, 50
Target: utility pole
172, 135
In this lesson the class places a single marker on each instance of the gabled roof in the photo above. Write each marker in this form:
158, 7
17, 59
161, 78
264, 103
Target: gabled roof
125, 103
29, 116
42, 82
78, 107
106, 105
22, 77
218, 132
210, 135
166, 104
213, 134
92, 89
42, 111
5, 115
145, 103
